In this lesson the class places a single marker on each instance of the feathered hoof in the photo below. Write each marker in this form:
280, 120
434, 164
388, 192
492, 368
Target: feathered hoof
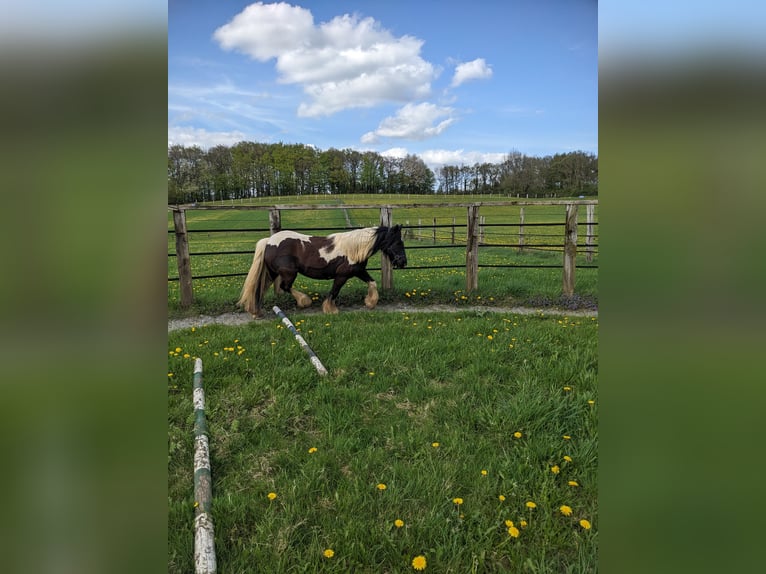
370, 302
329, 308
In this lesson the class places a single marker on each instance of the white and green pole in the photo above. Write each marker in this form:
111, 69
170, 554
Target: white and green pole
301, 341
204, 541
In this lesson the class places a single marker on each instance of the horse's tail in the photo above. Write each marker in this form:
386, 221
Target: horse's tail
257, 281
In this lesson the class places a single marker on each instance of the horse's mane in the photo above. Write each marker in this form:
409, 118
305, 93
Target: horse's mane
357, 245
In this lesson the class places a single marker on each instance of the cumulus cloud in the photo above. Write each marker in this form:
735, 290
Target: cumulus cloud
474, 70
437, 158
188, 137
413, 122
347, 62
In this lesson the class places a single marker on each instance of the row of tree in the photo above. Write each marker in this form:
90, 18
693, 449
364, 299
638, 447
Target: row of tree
249, 169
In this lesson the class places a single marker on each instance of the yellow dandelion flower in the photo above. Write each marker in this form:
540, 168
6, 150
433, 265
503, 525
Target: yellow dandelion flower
591, 402
329, 553
170, 375
523, 523
419, 563
567, 388
501, 498
573, 483
508, 523
435, 444
566, 510
513, 532
371, 373
585, 524
178, 349
381, 486
312, 450
483, 472
271, 495
457, 501
489, 337
555, 469
517, 434
567, 458
531, 504
566, 437
398, 523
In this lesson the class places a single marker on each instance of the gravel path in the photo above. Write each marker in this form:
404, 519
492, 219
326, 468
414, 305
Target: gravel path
242, 318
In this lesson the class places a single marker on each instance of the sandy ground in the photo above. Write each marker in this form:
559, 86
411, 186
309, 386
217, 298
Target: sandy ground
269, 315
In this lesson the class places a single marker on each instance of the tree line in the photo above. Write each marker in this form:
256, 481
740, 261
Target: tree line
250, 169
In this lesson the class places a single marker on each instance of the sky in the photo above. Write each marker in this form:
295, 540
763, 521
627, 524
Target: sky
452, 82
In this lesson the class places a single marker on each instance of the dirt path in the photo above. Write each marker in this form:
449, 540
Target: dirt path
242, 318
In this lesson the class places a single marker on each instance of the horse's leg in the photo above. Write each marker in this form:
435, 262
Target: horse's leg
372, 289
328, 305
286, 279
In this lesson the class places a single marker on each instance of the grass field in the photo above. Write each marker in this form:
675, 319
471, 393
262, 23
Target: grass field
430, 437
497, 286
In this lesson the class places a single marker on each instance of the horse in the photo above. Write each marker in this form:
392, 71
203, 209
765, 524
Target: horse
278, 259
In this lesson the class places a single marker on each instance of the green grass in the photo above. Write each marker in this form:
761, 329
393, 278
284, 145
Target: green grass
519, 286
397, 383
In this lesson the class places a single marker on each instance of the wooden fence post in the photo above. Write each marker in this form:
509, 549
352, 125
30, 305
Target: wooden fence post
521, 229
482, 237
589, 213
570, 250
472, 250
434, 232
275, 220
183, 259
386, 270
453, 230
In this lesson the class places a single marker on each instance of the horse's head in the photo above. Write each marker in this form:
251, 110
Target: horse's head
393, 246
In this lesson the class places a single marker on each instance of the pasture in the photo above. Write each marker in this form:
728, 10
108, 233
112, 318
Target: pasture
466, 438
446, 285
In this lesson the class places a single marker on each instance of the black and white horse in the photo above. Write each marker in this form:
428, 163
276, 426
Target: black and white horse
279, 258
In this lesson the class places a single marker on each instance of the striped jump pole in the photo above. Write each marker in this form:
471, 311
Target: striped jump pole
204, 541
304, 345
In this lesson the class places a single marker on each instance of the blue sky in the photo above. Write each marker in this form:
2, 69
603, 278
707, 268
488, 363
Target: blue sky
449, 81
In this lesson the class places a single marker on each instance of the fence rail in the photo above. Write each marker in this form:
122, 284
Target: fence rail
475, 237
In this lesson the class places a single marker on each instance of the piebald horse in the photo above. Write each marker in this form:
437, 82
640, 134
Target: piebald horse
279, 258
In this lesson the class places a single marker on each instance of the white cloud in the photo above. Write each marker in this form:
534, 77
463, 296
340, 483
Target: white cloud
413, 122
344, 63
437, 158
188, 137
399, 152
474, 70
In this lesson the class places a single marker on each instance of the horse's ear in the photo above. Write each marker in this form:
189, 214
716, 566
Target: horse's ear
397, 229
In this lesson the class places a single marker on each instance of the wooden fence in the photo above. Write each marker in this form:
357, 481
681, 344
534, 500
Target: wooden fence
474, 235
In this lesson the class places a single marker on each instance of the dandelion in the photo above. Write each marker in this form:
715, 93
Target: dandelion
566, 510
585, 524
419, 563
566, 437
513, 532
170, 375
508, 523
312, 450
196, 504
523, 523
178, 349
457, 501
567, 388
435, 444
329, 553
501, 498
371, 373
591, 402
517, 434
555, 469
398, 523
573, 483
271, 495
483, 472
381, 486
567, 458
531, 504
489, 337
